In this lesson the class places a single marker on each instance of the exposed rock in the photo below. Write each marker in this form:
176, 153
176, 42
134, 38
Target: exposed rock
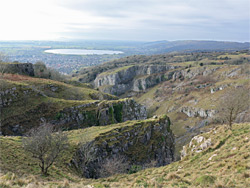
214, 155
197, 144
131, 78
139, 142
213, 90
195, 112
191, 73
81, 116
243, 116
233, 73
101, 113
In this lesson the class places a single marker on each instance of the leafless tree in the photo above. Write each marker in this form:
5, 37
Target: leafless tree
3, 68
3, 58
114, 165
45, 145
233, 103
3, 65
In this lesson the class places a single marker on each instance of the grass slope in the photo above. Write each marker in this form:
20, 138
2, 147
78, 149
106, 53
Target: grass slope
226, 163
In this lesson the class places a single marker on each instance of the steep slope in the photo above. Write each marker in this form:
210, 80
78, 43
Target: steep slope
145, 133
131, 78
137, 142
220, 158
27, 102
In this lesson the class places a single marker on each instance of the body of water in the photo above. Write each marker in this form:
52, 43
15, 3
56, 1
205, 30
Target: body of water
82, 52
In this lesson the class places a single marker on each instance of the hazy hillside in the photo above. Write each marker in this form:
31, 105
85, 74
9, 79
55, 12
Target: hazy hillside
160, 47
33, 51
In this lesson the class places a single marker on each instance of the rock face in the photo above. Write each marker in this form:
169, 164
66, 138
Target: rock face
20, 68
139, 142
131, 78
196, 145
101, 113
83, 115
191, 73
197, 112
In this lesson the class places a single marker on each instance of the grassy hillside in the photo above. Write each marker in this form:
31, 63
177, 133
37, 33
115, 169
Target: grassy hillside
223, 164
14, 159
55, 89
196, 94
87, 75
190, 93
27, 101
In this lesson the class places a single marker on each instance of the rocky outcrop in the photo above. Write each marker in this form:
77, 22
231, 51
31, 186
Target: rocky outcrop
139, 78
192, 72
7, 96
15, 94
131, 78
197, 112
72, 116
198, 144
101, 113
219, 88
139, 142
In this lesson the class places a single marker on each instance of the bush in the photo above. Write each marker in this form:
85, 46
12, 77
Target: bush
134, 169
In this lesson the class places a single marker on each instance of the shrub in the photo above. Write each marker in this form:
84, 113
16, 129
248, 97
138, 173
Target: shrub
134, 169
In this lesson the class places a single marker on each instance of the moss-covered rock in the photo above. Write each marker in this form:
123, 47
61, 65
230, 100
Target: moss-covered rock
139, 142
101, 113
27, 108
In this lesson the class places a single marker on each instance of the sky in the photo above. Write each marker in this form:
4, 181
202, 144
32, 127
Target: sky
134, 20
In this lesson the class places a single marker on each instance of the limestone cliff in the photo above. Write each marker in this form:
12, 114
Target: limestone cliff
100, 113
195, 112
131, 78
72, 115
139, 142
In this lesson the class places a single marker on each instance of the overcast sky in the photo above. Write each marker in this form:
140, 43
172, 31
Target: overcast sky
145, 20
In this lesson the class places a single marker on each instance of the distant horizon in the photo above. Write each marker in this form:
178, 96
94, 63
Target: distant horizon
119, 40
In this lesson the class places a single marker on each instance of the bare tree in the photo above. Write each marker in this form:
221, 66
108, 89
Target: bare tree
114, 165
45, 145
232, 104
3, 58
3, 63
3, 68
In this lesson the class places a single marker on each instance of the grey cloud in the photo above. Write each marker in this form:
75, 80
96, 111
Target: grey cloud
164, 19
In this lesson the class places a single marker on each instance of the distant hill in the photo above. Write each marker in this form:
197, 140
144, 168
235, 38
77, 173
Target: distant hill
159, 47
